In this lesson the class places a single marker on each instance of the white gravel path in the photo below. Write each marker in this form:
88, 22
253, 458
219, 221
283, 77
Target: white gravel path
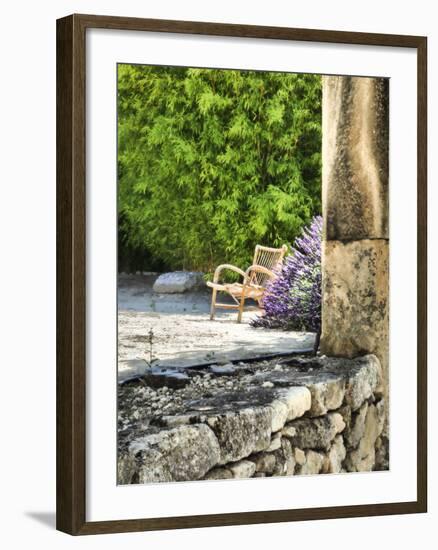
181, 326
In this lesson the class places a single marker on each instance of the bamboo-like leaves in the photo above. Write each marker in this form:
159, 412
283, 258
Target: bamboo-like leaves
212, 162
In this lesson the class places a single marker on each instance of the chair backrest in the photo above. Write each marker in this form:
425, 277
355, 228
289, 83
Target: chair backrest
271, 258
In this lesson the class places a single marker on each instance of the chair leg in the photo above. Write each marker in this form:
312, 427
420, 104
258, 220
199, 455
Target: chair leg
213, 304
241, 305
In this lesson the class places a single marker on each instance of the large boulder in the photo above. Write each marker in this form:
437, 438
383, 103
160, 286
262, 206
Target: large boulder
178, 282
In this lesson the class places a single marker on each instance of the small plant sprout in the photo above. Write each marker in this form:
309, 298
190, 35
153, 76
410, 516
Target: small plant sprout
150, 341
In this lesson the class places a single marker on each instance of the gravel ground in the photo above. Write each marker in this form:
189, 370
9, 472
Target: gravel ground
181, 324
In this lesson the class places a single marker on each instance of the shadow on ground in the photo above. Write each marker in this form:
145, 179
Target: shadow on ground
45, 518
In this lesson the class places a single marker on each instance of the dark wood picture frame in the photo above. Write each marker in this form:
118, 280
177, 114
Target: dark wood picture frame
71, 271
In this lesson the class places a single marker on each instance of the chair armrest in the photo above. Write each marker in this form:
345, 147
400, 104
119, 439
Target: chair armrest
260, 269
231, 268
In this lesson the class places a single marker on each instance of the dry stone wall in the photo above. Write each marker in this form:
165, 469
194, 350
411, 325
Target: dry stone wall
324, 415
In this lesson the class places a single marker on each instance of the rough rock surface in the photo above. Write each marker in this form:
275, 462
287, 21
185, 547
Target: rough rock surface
242, 469
355, 297
326, 396
313, 463
127, 468
355, 306
335, 456
275, 442
300, 456
178, 281
241, 433
355, 251
219, 473
382, 453
362, 459
290, 404
355, 426
180, 454
236, 426
355, 157
284, 459
264, 462
330, 380
317, 433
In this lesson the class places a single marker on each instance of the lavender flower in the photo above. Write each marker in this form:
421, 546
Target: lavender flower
293, 300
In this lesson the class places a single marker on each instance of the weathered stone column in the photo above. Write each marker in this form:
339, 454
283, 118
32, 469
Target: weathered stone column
355, 211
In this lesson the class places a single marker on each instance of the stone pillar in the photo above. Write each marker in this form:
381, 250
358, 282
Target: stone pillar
355, 210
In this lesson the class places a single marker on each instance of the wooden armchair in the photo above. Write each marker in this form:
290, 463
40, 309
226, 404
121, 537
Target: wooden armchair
265, 265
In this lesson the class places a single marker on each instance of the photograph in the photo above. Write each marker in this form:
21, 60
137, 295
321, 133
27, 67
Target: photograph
215, 255
252, 274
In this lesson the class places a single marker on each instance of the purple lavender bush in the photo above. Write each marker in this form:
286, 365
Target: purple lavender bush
293, 300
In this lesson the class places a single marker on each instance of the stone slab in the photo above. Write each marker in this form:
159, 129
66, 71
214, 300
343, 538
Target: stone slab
355, 299
131, 369
330, 380
259, 351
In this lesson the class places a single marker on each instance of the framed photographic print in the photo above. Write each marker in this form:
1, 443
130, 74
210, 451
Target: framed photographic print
241, 274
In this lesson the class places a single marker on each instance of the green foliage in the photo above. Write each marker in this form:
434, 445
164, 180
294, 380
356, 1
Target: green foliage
212, 162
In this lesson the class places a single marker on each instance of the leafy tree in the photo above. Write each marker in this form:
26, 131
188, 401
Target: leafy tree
212, 162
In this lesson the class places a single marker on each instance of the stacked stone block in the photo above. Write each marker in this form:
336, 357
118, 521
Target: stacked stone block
355, 255
330, 423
